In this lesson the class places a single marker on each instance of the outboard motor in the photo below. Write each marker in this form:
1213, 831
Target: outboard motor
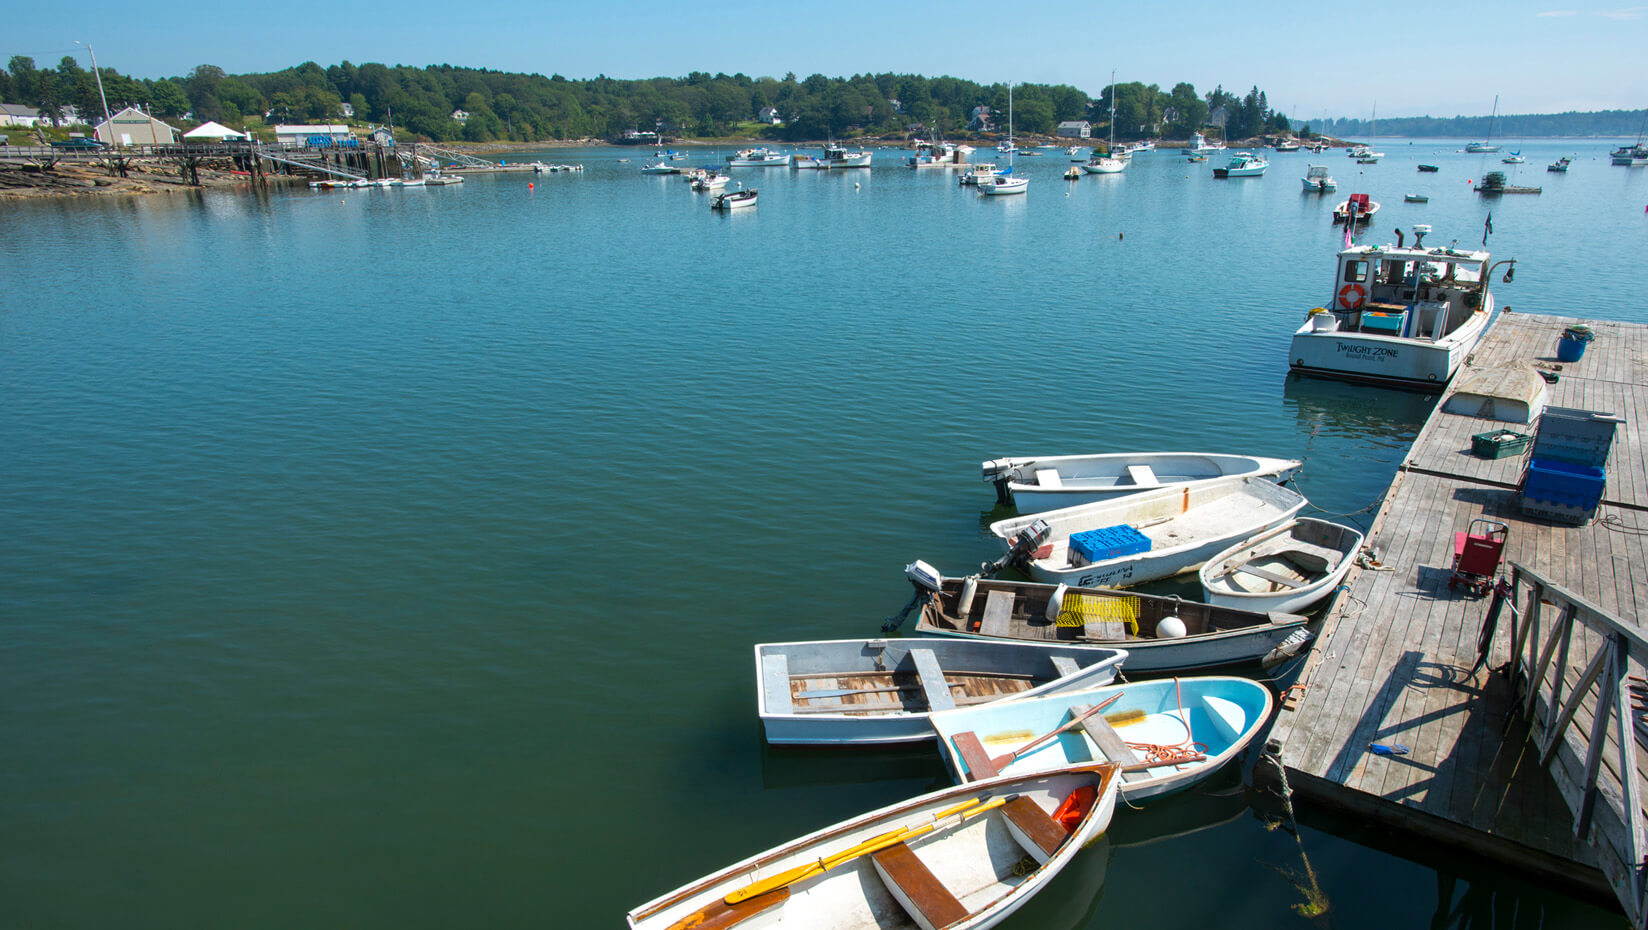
1020, 549
1001, 473
927, 581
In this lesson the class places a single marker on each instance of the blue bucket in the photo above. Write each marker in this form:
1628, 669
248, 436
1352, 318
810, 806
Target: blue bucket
1571, 348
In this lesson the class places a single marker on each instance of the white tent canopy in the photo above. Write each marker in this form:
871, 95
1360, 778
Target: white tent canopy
211, 130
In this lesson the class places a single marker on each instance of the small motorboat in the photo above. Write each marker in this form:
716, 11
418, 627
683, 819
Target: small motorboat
1560, 165
1288, 569
733, 200
1429, 169
1142, 537
1415, 198
1167, 733
1036, 483
1317, 180
1160, 634
1357, 206
882, 690
961, 858
1072, 173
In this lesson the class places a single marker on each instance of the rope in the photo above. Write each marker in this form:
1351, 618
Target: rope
1176, 753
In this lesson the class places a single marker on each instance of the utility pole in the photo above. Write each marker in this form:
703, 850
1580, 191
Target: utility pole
99, 75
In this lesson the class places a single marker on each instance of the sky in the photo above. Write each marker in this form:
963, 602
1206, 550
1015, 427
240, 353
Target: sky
1311, 59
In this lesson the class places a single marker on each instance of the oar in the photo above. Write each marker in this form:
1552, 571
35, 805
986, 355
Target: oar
791, 876
1001, 762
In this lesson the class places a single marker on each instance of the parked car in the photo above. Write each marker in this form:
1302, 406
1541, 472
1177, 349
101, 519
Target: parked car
80, 143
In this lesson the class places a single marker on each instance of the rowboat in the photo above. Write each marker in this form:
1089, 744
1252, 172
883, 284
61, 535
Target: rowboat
1168, 733
1146, 536
1288, 568
1048, 482
949, 859
883, 690
1160, 634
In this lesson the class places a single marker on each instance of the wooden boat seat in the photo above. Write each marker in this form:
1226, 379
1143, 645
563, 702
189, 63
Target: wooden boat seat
975, 756
775, 683
1034, 828
1143, 476
932, 680
1048, 478
1269, 576
998, 614
1065, 666
917, 888
1110, 743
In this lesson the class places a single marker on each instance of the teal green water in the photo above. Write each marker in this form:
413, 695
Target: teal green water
394, 558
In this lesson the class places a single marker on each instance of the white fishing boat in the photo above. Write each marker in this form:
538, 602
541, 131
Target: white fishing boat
1355, 209
1160, 634
836, 156
1143, 537
883, 690
733, 200
1317, 180
961, 858
709, 181
1200, 146
936, 154
757, 158
1401, 315
1630, 156
1287, 145
1287, 569
978, 173
661, 167
1243, 165
1048, 482
1167, 734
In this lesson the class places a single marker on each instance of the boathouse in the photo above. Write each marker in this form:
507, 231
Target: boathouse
325, 134
132, 126
1076, 129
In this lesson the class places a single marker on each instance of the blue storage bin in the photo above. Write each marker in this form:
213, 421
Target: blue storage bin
1566, 483
1107, 542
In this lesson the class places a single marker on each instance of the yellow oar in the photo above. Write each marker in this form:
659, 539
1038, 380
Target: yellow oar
791, 876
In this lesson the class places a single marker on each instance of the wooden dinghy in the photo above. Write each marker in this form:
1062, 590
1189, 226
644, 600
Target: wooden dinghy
1168, 734
1160, 634
1288, 568
882, 690
962, 858
1146, 536
1050, 482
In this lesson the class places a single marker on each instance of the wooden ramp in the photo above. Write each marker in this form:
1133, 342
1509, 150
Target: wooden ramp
1392, 663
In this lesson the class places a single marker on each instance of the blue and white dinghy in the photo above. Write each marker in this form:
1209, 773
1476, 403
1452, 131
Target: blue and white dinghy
1168, 734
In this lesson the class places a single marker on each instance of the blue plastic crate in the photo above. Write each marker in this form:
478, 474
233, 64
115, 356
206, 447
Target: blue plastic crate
1566, 483
1107, 542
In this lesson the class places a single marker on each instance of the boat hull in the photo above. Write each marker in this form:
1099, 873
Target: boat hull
1221, 713
1379, 359
971, 855
1086, 479
787, 673
1317, 544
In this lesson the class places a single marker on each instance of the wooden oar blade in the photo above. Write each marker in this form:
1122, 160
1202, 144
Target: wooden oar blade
719, 914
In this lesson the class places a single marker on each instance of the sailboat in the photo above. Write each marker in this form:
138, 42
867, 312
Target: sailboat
1006, 182
1487, 146
1366, 155
1108, 163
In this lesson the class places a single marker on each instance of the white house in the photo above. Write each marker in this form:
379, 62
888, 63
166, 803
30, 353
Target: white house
347, 109
324, 134
132, 126
769, 115
212, 132
15, 114
461, 116
1076, 129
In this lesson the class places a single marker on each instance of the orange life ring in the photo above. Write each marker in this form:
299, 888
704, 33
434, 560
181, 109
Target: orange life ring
1353, 296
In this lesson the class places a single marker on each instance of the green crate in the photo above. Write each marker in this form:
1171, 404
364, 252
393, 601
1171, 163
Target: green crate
1501, 443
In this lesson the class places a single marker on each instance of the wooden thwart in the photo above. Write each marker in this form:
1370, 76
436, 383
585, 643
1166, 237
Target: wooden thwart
917, 888
932, 680
1270, 576
1034, 828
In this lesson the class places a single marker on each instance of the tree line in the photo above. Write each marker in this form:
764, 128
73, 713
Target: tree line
1595, 123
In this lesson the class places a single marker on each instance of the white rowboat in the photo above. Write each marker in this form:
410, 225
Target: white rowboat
1288, 568
1048, 482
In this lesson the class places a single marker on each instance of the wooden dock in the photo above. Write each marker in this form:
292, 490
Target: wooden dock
1493, 765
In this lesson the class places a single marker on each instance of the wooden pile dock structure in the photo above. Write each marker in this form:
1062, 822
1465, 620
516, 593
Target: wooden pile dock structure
1531, 759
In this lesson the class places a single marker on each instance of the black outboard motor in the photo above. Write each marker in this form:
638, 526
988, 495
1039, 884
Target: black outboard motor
1001, 473
1019, 551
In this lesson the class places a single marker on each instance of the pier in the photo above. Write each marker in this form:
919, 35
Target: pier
1525, 755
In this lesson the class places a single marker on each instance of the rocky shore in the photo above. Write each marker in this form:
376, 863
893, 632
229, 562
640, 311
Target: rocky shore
92, 180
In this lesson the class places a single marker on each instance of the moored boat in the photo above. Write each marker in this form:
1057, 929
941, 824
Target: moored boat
949, 859
733, 200
883, 690
1415, 198
1160, 634
1560, 165
1357, 208
1143, 537
1429, 169
1287, 569
997, 185
1168, 733
1036, 483
1243, 165
1317, 180
1400, 315
836, 156
761, 157
660, 167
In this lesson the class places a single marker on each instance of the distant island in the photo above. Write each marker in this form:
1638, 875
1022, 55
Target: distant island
442, 103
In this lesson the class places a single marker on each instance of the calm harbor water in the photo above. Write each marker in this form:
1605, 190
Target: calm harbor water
394, 558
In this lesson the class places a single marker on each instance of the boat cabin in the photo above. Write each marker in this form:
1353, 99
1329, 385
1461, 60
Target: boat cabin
1408, 292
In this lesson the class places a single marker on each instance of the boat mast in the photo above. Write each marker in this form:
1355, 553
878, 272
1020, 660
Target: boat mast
1111, 151
1491, 119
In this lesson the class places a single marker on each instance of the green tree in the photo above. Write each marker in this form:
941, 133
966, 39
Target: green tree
167, 100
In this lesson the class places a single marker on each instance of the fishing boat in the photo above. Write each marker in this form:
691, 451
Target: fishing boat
882, 690
1560, 165
1142, 537
1632, 156
1168, 733
710, 180
1317, 180
1243, 165
1160, 634
1488, 146
1200, 146
978, 173
733, 200
660, 167
1287, 569
1036, 483
960, 858
1416, 198
761, 157
1400, 315
1356, 209
836, 156
936, 154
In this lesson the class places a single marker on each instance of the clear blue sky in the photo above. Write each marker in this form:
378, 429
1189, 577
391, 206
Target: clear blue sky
1311, 59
